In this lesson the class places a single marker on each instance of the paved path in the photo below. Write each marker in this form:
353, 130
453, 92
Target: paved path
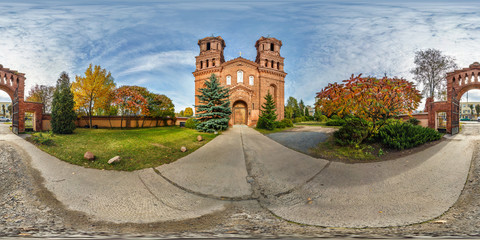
300, 141
243, 164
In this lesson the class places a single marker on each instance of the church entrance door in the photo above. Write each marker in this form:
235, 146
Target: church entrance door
239, 113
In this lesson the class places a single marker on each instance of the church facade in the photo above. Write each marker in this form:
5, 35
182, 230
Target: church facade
249, 82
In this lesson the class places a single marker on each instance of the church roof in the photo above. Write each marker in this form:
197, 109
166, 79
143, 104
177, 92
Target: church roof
240, 59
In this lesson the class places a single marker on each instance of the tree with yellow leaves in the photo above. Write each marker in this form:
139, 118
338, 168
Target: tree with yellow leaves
92, 91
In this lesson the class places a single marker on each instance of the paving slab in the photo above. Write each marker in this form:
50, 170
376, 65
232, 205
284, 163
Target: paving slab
408, 190
276, 168
217, 169
115, 196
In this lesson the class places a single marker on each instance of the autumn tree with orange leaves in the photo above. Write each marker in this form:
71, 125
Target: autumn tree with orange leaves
130, 101
93, 90
372, 99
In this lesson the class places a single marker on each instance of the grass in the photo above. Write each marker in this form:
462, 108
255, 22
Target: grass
138, 148
313, 123
363, 153
265, 131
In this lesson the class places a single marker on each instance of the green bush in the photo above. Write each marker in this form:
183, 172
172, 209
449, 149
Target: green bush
191, 123
42, 139
353, 132
280, 124
264, 123
413, 121
405, 135
299, 119
287, 122
322, 118
335, 122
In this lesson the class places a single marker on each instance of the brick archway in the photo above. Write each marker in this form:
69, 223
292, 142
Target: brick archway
13, 83
458, 83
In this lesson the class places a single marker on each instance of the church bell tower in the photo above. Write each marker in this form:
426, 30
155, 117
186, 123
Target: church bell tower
211, 53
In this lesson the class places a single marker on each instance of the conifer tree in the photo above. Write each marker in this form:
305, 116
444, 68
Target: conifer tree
63, 115
214, 110
267, 116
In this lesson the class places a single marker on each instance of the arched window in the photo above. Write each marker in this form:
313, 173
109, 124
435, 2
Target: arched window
278, 65
213, 62
208, 46
201, 64
266, 62
229, 80
273, 64
250, 80
207, 64
272, 47
239, 76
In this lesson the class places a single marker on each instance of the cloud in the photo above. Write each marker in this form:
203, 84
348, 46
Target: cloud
161, 60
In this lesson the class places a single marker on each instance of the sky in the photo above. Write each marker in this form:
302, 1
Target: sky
153, 43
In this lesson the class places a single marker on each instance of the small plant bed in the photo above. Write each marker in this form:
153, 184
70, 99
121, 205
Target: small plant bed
138, 148
364, 153
313, 123
275, 130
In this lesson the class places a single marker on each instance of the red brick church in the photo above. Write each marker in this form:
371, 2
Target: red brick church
248, 81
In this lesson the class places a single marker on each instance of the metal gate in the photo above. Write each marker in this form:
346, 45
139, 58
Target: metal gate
15, 109
455, 114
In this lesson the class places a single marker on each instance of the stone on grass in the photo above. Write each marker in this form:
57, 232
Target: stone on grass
183, 149
89, 156
114, 160
199, 138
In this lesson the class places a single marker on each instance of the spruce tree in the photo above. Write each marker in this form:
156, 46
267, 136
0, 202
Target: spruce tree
267, 116
214, 110
63, 115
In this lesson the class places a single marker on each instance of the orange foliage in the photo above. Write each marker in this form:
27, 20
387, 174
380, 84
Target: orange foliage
369, 98
129, 100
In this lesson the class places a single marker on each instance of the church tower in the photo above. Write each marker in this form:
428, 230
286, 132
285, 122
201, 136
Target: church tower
268, 53
211, 53
248, 81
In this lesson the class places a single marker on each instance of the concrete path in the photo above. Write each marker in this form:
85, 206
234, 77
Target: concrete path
216, 169
243, 164
119, 197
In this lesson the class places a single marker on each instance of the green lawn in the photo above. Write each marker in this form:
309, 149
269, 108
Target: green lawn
138, 148
265, 131
313, 123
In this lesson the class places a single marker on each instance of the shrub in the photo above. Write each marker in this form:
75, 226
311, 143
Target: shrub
352, 133
298, 119
41, 139
287, 122
322, 118
405, 135
280, 124
191, 123
413, 121
335, 122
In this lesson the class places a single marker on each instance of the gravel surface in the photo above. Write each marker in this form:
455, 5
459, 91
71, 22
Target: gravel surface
27, 209
300, 141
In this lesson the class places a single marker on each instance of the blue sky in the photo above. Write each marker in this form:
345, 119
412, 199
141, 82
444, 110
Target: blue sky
154, 43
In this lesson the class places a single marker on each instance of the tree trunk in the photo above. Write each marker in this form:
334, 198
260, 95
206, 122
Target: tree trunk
121, 122
143, 121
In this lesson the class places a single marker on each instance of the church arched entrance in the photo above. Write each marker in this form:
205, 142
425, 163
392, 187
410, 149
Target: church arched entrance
240, 113
458, 83
13, 83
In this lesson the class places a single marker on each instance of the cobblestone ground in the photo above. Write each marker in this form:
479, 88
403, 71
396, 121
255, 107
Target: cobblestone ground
29, 210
